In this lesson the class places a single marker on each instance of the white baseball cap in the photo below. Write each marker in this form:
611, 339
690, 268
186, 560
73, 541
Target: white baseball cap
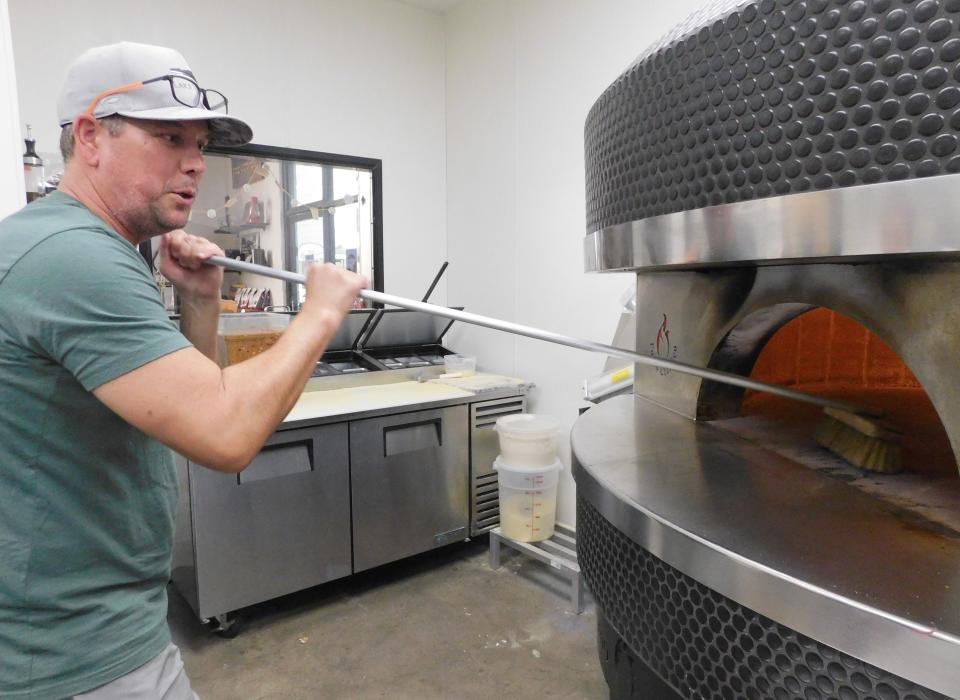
169, 90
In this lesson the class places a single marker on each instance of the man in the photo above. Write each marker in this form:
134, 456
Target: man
96, 384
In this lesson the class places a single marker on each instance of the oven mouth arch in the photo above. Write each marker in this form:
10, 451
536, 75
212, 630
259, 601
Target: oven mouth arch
757, 347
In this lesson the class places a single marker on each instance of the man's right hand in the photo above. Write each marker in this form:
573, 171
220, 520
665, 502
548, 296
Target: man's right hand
331, 291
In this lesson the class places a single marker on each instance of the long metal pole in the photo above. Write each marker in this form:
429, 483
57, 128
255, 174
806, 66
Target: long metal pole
550, 337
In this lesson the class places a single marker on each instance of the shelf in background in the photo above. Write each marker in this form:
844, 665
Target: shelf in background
242, 228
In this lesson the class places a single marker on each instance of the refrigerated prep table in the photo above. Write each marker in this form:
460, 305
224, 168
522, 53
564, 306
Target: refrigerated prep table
377, 461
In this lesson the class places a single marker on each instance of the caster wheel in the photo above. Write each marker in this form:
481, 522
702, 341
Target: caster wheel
228, 625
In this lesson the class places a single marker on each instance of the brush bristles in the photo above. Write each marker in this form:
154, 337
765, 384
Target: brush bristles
879, 452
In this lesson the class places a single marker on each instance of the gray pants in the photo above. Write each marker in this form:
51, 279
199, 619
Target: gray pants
161, 678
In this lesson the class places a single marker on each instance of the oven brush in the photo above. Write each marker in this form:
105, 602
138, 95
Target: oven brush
849, 430
862, 441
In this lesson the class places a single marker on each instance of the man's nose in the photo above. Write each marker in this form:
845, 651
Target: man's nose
194, 162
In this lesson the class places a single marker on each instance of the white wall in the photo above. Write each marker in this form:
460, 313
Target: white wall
364, 77
500, 193
521, 77
12, 193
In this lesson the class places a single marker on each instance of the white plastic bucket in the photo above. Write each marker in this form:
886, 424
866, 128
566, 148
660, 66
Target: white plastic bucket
528, 439
528, 500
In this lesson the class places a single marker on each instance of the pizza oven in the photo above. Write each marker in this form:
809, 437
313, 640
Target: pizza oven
780, 177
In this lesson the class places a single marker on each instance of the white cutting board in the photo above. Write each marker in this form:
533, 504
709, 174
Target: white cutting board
319, 404
477, 383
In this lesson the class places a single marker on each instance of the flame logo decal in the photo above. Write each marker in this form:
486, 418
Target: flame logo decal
663, 338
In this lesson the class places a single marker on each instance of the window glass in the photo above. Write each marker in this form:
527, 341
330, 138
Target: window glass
333, 220
286, 213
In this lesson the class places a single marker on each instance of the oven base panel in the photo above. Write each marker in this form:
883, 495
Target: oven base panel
628, 677
663, 634
713, 546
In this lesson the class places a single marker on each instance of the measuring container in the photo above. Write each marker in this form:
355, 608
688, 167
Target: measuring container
528, 500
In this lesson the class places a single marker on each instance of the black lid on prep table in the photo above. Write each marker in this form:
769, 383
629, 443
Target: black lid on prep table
405, 328
349, 332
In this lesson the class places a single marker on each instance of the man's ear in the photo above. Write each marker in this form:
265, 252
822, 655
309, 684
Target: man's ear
87, 135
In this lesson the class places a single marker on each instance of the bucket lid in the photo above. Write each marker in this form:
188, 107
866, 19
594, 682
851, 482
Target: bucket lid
528, 424
554, 466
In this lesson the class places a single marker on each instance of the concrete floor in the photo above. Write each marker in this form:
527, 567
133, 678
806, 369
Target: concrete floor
441, 625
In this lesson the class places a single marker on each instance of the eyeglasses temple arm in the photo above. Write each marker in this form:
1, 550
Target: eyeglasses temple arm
114, 91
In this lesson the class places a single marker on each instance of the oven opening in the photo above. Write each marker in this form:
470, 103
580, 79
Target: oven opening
824, 352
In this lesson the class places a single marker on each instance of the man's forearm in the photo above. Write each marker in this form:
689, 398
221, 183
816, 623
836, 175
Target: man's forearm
198, 322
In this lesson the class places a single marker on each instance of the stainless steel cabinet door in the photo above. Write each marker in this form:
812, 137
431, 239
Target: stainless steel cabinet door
409, 484
281, 525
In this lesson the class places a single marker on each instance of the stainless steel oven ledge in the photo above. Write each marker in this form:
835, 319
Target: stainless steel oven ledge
804, 550
914, 218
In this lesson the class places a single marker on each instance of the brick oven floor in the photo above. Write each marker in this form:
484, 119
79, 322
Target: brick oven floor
442, 625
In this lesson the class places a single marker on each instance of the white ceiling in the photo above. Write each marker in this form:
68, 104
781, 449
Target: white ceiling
440, 6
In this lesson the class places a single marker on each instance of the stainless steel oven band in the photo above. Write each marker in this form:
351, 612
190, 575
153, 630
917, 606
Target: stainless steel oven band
807, 551
912, 218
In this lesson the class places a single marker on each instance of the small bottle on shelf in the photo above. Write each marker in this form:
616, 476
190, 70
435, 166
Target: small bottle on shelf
253, 212
32, 169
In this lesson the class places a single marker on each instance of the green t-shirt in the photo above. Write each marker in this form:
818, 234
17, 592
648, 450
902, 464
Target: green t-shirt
86, 500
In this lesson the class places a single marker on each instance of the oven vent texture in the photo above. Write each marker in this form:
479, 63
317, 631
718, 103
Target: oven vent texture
707, 646
751, 100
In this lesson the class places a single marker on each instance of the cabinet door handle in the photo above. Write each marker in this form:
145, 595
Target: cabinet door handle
412, 437
279, 460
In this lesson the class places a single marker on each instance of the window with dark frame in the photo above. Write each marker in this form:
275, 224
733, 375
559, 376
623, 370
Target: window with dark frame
287, 208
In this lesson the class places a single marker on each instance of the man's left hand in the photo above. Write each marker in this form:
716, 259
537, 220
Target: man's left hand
181, 261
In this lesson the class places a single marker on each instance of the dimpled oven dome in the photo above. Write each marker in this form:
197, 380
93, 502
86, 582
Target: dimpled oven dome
751, 100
